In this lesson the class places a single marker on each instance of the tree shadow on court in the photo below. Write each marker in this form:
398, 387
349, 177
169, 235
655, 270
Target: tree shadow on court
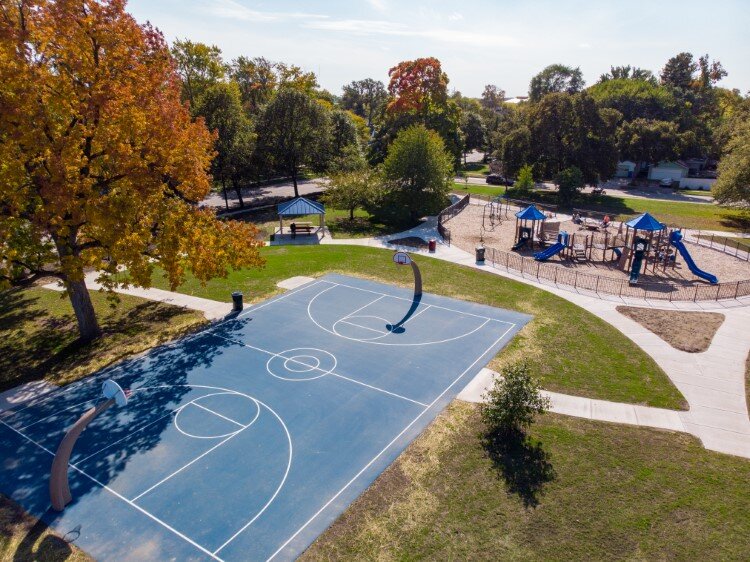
160, 379
521, 462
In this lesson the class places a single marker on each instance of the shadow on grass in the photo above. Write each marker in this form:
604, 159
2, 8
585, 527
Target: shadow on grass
522, 462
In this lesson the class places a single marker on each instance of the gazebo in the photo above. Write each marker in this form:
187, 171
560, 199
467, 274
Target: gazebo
524, 233
301, 207
644, 223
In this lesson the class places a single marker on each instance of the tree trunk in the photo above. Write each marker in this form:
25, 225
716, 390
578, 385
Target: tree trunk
238, 189
351, 213
294, 180
224, 189
88, 327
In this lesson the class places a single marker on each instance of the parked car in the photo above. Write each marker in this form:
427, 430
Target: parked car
497, 179
666, 182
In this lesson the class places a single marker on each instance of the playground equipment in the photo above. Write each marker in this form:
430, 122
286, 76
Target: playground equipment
675, 238
524, 235
640, 247
528, 215
562, 242
492, 214
659, 254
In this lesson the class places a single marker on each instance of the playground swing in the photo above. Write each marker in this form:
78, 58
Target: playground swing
494, 217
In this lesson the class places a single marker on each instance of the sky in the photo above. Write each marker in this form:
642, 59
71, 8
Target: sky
502, 42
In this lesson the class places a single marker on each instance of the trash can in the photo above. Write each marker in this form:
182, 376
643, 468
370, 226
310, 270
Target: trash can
479, 250
432, 245
237, 300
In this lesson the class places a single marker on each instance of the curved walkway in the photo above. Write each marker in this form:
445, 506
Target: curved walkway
713, 382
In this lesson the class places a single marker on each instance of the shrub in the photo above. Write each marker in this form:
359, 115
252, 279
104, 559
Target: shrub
525, 181
513, 402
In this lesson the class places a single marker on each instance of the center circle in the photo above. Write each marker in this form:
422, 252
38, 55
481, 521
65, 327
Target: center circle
301, 364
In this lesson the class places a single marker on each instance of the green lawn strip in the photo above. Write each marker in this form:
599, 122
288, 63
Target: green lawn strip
476, 169
23, 537
572, 350
38, 334
694, 192
728, 241
617, 493
698, 216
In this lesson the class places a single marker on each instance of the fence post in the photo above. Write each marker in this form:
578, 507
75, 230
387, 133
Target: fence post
538, 265
596, 289
555, 281
695, 295
736, 289
620, 293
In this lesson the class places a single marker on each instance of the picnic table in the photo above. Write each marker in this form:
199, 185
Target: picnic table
301, 226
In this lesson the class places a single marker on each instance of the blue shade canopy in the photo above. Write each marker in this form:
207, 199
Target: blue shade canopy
300, 206
645, 222
531, 213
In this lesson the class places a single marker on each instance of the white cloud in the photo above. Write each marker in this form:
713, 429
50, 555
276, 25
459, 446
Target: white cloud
379, 5
382, 27
455, 16
584, 45
234, 10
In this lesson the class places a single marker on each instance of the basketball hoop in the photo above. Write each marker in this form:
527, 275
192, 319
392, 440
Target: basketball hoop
401, 258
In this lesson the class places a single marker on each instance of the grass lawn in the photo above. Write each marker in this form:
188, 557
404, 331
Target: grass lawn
569, 349
701, 216
476, 169
23, 537
38, 334
602, 492
694, 192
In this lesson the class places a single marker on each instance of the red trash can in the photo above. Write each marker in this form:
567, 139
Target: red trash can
432, 244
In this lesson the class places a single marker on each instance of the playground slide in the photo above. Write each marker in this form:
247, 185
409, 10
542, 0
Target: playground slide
618, 252
635, 271
676, 240
520, 244
549, 252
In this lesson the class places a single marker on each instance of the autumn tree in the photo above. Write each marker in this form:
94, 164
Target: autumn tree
293, 131
733, 185
556, 78
199, 65
100, 159
419, 169
492, 97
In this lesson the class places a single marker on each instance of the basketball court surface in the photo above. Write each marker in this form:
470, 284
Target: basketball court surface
247, 439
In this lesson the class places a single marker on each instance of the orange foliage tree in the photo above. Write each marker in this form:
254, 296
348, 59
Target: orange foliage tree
416, 85
101, 165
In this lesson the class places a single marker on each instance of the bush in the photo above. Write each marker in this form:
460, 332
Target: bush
525, 181
569, 183
513, 402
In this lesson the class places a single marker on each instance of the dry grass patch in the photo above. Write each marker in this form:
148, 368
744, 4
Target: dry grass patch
23, 537
686, 331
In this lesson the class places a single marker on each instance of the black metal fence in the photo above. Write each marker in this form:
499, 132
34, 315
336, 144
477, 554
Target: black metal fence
448, 213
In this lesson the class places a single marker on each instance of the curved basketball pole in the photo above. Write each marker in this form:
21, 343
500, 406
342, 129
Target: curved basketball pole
59, 489
398, 326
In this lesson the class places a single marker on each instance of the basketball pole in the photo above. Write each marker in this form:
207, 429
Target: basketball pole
59, 489
417, 279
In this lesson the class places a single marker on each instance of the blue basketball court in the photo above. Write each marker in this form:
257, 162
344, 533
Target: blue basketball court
247, 439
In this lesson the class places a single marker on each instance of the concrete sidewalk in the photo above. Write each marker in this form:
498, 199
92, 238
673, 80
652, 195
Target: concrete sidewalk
212, 310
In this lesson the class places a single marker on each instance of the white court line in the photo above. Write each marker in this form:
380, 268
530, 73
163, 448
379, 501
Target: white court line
363, 327
199, 457
321, 370
57, 412
217, 414
253, 308
417, 314
353, 313
120, 496
376, 457
335, 284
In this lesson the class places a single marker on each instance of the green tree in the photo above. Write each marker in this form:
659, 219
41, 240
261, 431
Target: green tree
352, 189
366, 98
293, 131
556, 78
628, 73
525, 180
513, 402
419, 169
221, 107
646, 140
733, 185
569, 182
473, 132
257, 81
636, 99
492, 97
199, 65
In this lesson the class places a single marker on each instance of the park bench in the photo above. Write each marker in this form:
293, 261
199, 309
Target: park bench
301, 227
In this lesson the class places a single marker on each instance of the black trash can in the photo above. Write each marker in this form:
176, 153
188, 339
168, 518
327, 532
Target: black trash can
237, 300
479, 250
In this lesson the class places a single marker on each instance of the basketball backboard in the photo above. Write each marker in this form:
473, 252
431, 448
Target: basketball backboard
401, 258
110, 389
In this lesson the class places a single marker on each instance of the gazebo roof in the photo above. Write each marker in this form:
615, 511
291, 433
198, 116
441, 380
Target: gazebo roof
645, 222
531, 213
300, 206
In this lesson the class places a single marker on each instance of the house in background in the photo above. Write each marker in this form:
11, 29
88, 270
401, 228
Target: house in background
626, 169
668, 170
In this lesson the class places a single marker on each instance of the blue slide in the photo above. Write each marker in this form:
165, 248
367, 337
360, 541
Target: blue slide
635, 271
544, 255
676, 240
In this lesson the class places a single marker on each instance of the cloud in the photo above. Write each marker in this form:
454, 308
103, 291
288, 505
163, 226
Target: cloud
584, 45
234, 10
382, 27
379, 5
455, 16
